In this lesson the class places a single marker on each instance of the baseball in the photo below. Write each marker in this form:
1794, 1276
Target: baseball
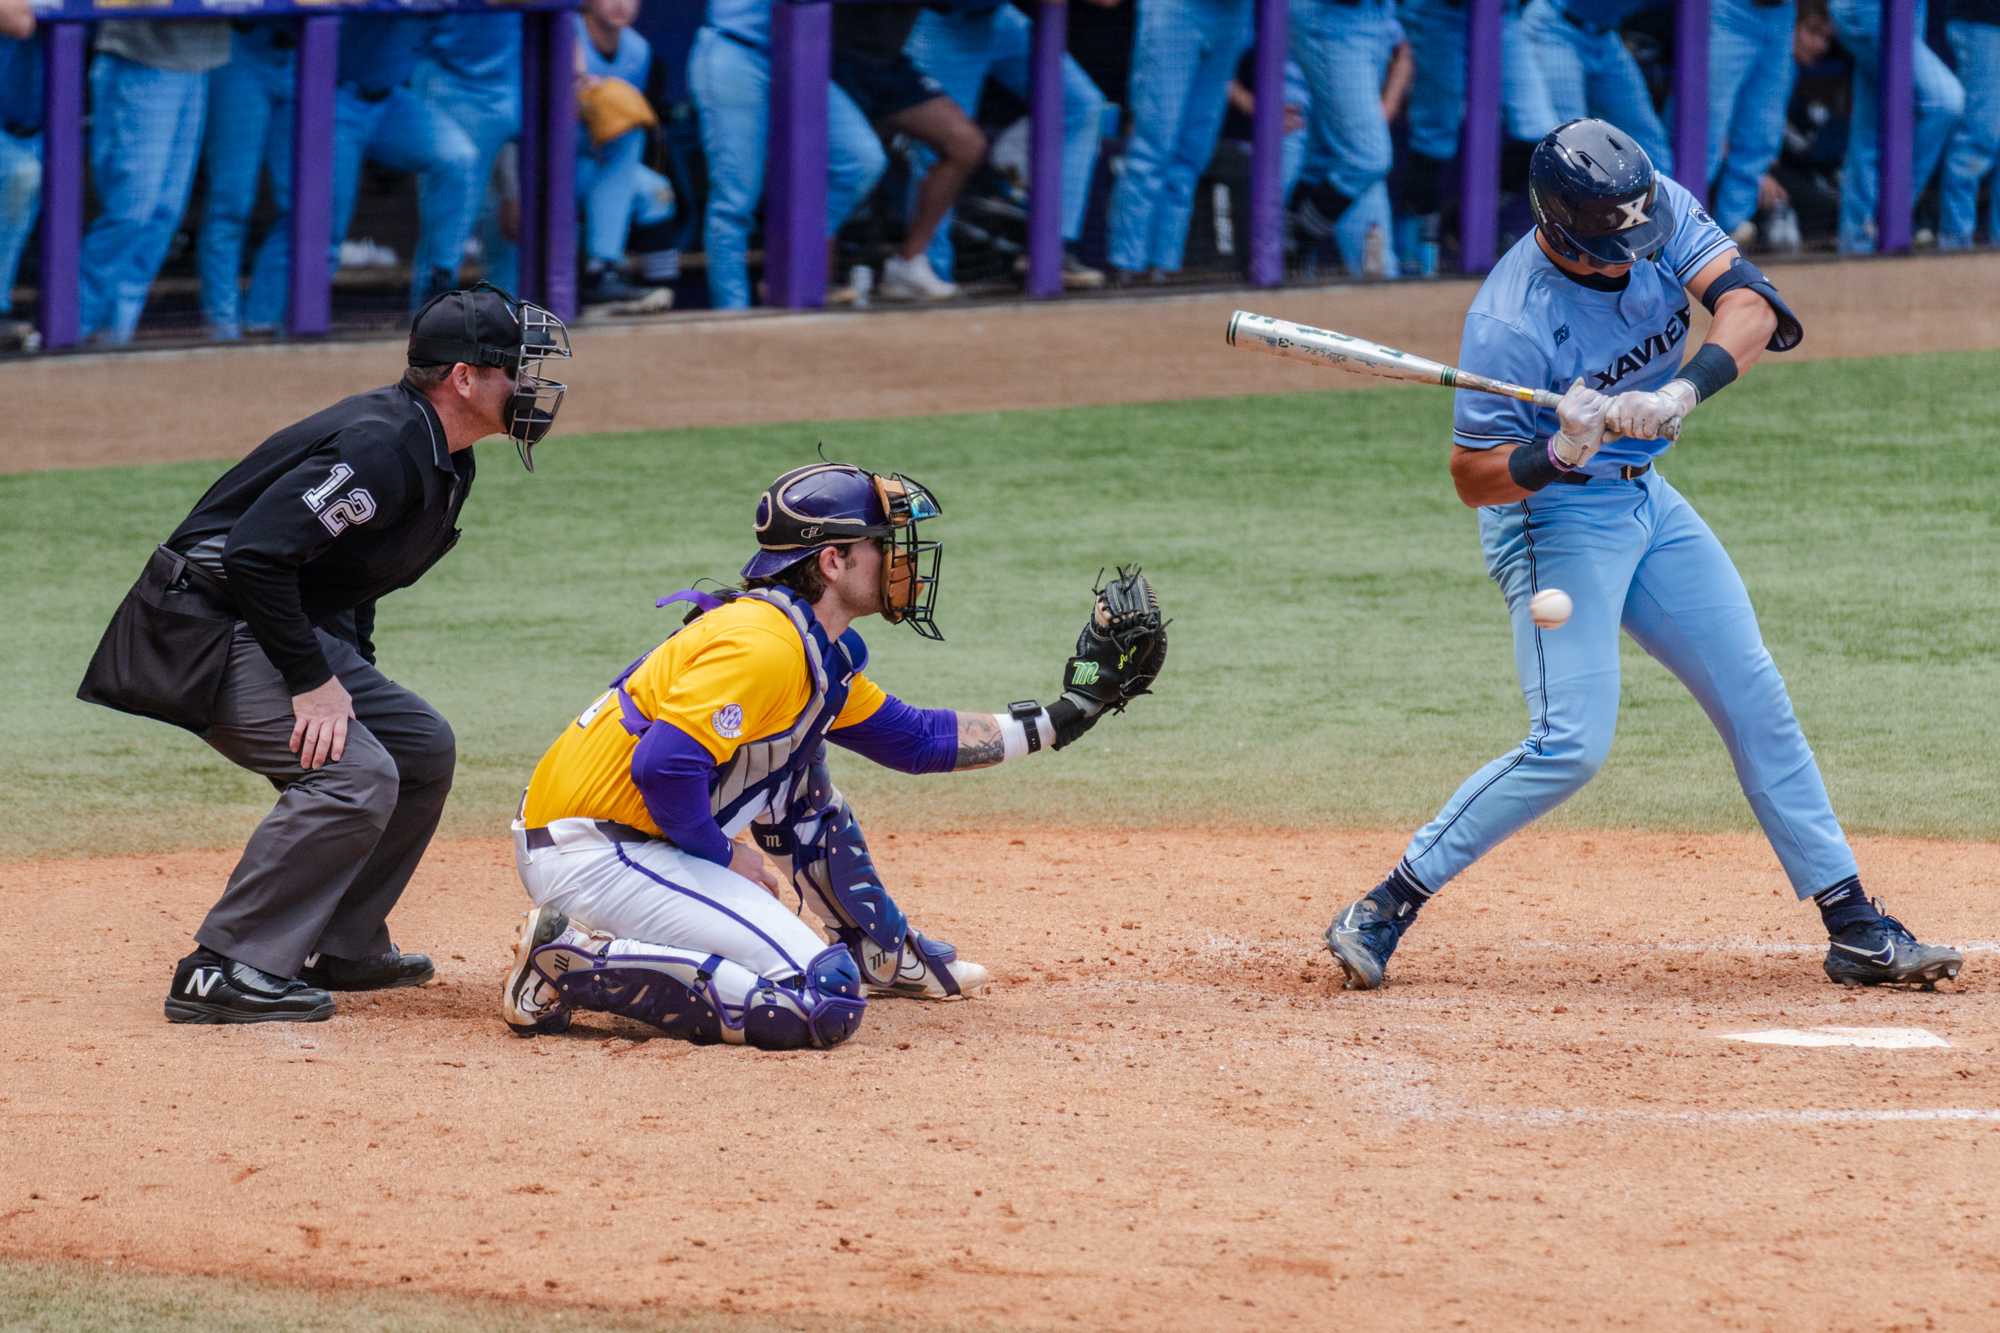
1550, 608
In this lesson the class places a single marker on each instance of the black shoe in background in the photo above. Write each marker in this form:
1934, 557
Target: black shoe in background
380, 971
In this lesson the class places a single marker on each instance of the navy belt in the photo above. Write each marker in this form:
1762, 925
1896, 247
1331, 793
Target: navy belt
540, 839
1624, 474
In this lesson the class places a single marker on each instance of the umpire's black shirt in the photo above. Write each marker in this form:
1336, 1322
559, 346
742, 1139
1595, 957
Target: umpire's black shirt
326, 516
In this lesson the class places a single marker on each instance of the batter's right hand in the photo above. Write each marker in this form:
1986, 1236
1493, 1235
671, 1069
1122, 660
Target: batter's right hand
1581, 414
319, 723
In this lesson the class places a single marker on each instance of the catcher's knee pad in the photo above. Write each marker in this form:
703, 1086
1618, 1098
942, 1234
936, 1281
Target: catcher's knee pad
672, 991
823, 1008
839, 874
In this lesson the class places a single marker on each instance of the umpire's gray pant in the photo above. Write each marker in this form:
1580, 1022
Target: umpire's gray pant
322, 871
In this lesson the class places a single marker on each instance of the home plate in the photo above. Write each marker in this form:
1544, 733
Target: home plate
1874, 1039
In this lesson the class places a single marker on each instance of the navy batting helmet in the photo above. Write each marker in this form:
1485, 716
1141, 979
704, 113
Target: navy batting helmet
1594, 193
832, 504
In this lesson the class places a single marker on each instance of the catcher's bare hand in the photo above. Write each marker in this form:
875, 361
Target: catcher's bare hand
1118, 655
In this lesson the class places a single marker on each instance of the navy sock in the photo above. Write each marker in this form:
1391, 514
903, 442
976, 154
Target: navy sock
1845, 904
1402, 888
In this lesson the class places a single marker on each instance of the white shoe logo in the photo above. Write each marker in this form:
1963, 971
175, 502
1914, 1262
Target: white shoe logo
201, 981
1888, 954
1346, 926
1631, 214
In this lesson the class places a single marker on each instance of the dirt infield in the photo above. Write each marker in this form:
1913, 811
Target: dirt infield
1163, 1115
722, 370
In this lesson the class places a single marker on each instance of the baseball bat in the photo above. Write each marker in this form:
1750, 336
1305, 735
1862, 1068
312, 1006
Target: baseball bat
1360, 356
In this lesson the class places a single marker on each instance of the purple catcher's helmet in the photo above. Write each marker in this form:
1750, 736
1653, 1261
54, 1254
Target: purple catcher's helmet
834, 504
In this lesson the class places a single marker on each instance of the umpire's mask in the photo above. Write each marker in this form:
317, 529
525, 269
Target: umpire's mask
488, 327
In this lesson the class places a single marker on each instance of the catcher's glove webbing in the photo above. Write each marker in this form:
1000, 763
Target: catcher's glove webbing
1118, 655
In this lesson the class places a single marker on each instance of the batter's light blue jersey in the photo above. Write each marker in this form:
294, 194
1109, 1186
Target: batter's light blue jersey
1535, 325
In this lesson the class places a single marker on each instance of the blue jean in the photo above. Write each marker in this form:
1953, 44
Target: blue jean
731, 84
1750, 73
250, 99
616, 189
1940, 102
489, 117
1437, 98
960, 51
1976, 142
1592, 74
20, 202
1182, 59
404, 133
1344, 51
1631, 554
145, 133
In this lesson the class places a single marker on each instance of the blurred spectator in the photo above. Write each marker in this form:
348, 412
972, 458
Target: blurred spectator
1344, 48
898, 98
1816, 119
20, 158
1974, 33
1750, 73
149, 91
470, 72
1436, 30
620, 194
961, 48
249, 127
1182, 56
729, 73
1939, 103
1590, 73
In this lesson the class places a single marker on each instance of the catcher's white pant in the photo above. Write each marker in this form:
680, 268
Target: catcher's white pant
652, 893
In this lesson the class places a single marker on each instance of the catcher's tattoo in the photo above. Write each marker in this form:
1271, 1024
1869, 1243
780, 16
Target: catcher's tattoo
980, 744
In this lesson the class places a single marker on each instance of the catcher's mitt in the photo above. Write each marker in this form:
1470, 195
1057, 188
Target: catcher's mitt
1118, 655
610, 107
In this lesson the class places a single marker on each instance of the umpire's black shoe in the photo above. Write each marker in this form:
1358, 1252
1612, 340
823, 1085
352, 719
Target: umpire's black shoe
1883, 953
209, 988
379, 971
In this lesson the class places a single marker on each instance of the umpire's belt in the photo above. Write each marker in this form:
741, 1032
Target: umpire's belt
1622, 474
541, 839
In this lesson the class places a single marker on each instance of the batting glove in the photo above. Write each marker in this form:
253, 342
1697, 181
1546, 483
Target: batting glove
1651, 416
1581, 414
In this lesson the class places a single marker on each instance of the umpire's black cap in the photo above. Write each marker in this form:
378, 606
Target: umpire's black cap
480, 327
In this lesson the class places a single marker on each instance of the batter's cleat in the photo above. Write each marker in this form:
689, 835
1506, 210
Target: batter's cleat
922, 969
1883, 953
209, 988
1362, 938
529, 1000
379, 971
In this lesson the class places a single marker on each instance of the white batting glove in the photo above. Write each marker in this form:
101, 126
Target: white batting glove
1581, 414
1651, 416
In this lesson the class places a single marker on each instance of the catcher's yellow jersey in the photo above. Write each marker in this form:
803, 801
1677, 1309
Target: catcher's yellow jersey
735, 677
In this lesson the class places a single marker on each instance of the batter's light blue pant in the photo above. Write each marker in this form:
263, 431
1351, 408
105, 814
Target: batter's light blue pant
1976, 142
1183, 57
1750, 74
617, 190
961, 51
1631, 554
489, 117
145, 134
20, 202
731, 84
1344, 51
1437, 99
404, 133
249, 126
1940, 102
1592, 74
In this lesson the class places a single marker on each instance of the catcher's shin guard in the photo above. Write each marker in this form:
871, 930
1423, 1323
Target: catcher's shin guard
831, 867
918, 967
670, 989
822, 1008
685, 995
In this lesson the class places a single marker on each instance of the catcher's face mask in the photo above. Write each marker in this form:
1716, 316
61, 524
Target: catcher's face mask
909, 566
490, 328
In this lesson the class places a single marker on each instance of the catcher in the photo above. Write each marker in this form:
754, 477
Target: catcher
647, 907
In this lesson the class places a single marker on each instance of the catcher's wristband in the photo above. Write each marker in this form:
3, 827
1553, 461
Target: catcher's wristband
1024, 728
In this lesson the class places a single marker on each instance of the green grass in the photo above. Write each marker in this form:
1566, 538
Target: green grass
86, 1298
1339, 657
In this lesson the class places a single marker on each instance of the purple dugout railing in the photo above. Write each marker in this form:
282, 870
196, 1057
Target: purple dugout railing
801, 58
548, 160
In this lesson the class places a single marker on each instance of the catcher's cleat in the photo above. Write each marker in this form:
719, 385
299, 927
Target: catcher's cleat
1883, 952
209, 988
1362, 938
529, 1000
380, 971
922, 969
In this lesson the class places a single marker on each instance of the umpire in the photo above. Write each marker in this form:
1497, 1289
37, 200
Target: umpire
253, 627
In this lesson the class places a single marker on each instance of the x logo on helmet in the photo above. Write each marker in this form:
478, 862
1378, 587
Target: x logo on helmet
1631, 214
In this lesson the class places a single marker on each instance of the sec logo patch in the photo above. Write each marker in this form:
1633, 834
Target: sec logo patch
728, 721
